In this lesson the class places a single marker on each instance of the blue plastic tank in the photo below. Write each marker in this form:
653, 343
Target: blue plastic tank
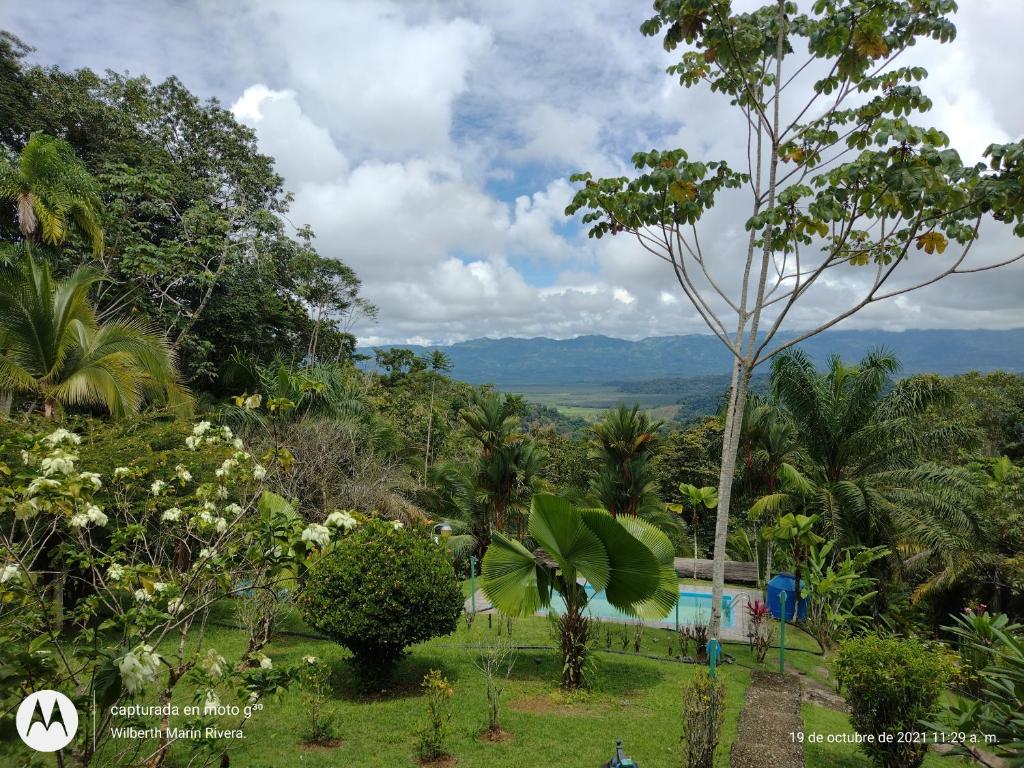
784, 582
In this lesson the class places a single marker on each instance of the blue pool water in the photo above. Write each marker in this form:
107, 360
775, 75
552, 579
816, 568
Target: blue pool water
694, 608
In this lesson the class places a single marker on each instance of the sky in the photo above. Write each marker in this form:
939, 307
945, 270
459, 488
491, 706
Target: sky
429, 145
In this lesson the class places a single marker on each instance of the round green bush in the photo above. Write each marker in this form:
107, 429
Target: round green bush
890, 684
380, 590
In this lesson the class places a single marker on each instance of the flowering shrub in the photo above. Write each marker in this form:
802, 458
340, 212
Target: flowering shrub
433, 736
760, 630
106, 580
380, 589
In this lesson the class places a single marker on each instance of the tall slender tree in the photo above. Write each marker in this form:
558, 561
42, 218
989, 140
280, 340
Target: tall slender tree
623, 445
839, 178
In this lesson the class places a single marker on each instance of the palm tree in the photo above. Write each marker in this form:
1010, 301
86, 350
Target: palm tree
695, 499
627, 558
437, 361
52, 346
508, 470
624, 443
51, 191
861, 467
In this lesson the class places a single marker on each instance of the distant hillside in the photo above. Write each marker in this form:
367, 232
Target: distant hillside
513, 363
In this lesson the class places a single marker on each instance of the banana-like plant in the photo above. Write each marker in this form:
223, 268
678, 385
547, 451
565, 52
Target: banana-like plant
626, 558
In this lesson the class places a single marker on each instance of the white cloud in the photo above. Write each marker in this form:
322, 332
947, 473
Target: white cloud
429, 144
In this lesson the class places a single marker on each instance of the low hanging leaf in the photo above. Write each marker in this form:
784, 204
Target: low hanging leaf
930, 242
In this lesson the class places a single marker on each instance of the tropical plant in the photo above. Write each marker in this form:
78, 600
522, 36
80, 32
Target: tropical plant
379, 590
891, 685
760, 630
624, 442
52, 192
315, 676
53, 348
996, 648
575, 553
507, 472
695, 500
837, 590
437, 361
861, 469
796, 533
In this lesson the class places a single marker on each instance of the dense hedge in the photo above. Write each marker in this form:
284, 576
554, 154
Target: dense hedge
380, 590
891, 684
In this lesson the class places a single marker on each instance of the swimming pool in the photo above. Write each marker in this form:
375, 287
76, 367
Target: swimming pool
694, 608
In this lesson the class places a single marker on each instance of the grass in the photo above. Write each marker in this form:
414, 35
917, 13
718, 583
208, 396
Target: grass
634, 698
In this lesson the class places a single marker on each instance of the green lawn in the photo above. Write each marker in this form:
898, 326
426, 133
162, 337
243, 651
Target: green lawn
634, 698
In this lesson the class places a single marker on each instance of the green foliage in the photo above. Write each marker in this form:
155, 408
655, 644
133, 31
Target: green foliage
993, 648
627, 558
838, 591
891, 685
380, 590
53, 347
194, 239
432, 741
52, 192
623, 444
703, 714
315, 676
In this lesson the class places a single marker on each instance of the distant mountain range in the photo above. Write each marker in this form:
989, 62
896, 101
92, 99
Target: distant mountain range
512, 363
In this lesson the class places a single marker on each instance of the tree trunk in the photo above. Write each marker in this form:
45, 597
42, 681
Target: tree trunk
730, 446
430, 424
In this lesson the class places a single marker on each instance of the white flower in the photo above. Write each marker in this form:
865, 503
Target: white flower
266, 663
182, 473
160, 586
226, 433
138, 667
142, 596
172, 515
212, 703
232, 510
214, 663
201, 428
26, 457
59, 463
192, 442
8, 573
220, 525
237, 444
41, 484
121, 473
62, 436
91, 477
174, 605
157, 487
259, 472
317, 534
341, 519
310, 659
115, 572
95, 515
252, 401
226, 468
207, 553
397, 525
79, 520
